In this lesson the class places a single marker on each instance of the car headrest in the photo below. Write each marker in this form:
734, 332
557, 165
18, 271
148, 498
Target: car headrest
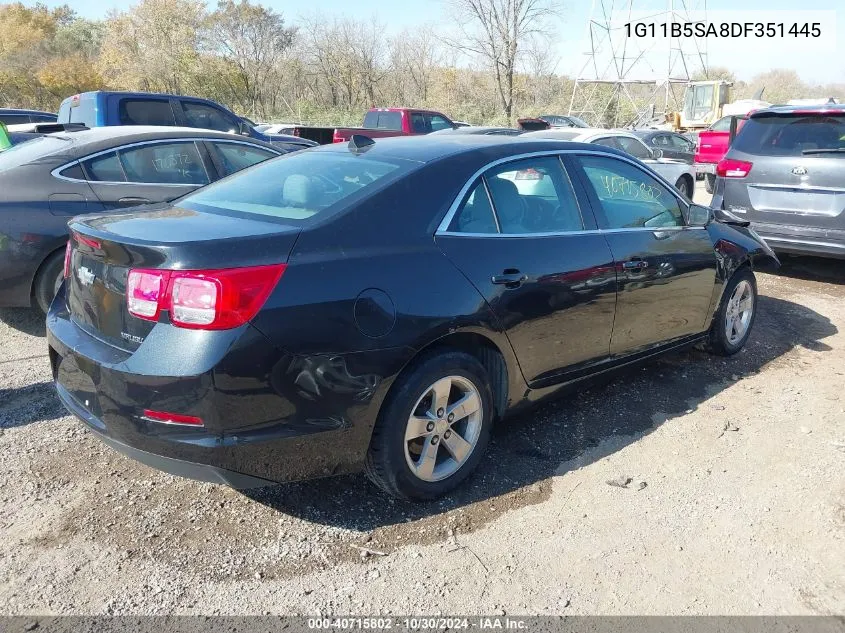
298, 191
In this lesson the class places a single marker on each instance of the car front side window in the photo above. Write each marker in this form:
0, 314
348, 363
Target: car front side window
237, 156
634, 147
203, 116
629, 197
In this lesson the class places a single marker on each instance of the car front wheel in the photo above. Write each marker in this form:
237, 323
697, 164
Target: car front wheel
733, 321
433, 429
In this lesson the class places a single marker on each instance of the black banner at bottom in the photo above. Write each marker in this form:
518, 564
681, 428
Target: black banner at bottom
292, 624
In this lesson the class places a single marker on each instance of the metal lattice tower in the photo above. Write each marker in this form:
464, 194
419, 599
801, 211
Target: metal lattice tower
624, 79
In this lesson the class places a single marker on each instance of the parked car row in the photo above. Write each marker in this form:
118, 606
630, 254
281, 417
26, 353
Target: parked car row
552, 256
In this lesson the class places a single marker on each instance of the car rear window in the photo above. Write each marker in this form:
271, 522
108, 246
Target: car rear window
297, 186
31, 150
792, 135
383, 120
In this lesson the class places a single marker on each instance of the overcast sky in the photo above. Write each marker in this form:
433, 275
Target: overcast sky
817, 62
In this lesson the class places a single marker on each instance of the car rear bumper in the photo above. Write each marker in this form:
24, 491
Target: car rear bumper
181, 468
802, 240
262, 420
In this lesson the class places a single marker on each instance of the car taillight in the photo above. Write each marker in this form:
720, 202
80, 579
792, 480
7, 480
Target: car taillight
145, 292
730, 168
68, 249
202, 299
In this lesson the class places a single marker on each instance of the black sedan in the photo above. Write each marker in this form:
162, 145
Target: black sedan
673, 145
46, 181
380, 305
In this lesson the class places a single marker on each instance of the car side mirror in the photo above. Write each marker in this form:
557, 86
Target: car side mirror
699, 215
243, 128
657, 153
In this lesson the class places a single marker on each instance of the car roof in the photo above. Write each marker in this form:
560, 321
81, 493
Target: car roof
476, 129
112, 136
434, 147
826, 108
583, 133
24, 111
130, 93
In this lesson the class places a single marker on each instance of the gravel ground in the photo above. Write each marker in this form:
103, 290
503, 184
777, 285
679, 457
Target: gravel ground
735, 504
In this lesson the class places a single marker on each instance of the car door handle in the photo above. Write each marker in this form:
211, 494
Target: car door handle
510, 277
635, 264
131, 201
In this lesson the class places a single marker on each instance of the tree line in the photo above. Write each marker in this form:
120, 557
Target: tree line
496, 64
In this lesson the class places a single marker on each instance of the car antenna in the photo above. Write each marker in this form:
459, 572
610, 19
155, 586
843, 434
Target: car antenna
359, 143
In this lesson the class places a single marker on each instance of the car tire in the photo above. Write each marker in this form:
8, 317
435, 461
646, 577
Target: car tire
731, 325
685, 188
48, 279
709, 183
414, 451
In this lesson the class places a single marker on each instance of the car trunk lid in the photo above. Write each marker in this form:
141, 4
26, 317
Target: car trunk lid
797, 175
104, 248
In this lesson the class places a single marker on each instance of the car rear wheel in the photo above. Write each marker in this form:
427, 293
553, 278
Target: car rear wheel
48, 280
709, 183
733, 321
434, 428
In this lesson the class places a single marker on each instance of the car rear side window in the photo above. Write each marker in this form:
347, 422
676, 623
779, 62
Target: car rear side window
145, 112
234, 157
793, 135
104, 168
533, 195
164, 163
74, 171
630, 197
476, 213
298, 186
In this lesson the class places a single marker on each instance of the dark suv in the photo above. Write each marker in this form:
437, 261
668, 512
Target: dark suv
785, 173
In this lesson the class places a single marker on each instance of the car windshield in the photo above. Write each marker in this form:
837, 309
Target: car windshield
794, 135
31, 150
298, 186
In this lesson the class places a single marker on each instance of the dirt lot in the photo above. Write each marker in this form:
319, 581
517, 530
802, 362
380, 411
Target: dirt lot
736, 502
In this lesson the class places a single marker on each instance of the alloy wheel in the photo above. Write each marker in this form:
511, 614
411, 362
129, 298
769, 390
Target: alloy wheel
739, 311
443, 428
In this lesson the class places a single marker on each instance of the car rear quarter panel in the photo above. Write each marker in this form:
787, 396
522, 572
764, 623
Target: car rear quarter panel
35, 208
735, 247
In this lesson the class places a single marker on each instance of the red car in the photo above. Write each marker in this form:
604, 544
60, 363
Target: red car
380, 123
711, 147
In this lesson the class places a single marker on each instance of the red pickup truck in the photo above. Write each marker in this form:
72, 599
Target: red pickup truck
379, 123
711, 147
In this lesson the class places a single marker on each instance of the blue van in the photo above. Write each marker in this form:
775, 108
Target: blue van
103, 108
